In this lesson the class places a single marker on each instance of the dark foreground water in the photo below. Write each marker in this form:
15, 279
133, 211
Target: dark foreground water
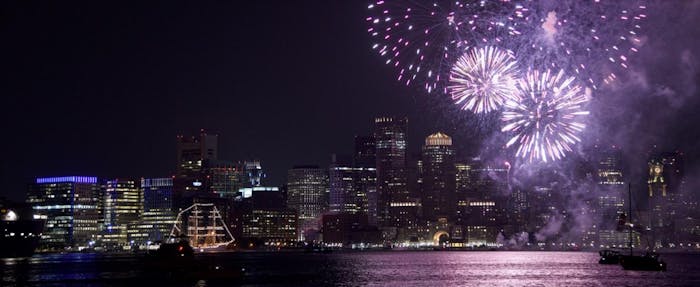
357, 269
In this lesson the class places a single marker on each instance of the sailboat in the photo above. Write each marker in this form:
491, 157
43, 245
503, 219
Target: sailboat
650, 261
205, 229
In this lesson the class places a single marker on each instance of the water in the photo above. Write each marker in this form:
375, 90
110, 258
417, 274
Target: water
417, 268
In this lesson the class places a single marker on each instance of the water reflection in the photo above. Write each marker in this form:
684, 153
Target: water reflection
353, 269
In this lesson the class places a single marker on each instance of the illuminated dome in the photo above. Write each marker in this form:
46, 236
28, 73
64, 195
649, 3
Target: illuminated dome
438, 138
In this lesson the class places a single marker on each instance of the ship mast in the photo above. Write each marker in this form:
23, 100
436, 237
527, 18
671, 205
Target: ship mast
629, 212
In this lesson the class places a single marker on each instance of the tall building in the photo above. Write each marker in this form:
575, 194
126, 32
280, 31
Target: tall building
397, 206
307, 193
462, 191
226, 178
193, 156
351, 187
483, 201
611, 196
121, 206
438, 178
254, 172
70, 205
365, 151
665, 187
157, 218
264, 218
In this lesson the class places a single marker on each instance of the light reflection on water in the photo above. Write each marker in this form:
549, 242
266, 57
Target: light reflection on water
365, 269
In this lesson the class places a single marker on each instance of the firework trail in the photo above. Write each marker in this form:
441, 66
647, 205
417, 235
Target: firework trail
547, 119
483, 79
423, 40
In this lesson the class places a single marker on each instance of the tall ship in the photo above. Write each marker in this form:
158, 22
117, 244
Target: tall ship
203, 226
21, 232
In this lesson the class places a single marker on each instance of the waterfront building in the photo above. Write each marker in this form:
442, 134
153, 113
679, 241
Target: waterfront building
121, 205
307, 193
438, 178
397, 206
665, 196
612, 193
70, 205
157, 219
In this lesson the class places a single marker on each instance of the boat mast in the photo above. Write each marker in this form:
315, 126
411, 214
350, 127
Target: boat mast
629, 212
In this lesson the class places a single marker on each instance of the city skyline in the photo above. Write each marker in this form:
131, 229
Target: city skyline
433, 196
326, 143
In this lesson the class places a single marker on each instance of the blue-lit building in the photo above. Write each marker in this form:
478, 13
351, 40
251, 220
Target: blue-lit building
70, 205
157, 216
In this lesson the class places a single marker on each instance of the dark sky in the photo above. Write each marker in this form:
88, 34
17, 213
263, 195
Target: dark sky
102, 88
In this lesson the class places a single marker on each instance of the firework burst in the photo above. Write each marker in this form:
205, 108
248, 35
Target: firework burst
483, 79
422, 40
577, 35
548, 118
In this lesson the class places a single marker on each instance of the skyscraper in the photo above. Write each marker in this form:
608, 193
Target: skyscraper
193, 156
396, 205
665, 185
70, 205
157, 218
351, 187
226, 178
121, 206
365, 151
484, 200
462, 191
254, 172
438, 177
307, 193
611, 196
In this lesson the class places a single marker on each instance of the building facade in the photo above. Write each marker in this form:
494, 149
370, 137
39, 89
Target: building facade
194, 154
438, 178
397, 206
351, 188
121, 206
70, 205
157, 217
307, 193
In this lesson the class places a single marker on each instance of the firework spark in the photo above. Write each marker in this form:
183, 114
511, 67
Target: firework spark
576, 35
422, 41
483, 79
547, 119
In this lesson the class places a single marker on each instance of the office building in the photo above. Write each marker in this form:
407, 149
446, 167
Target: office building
121, 206
397, 206
157, 218
351, 187
365, 151
70, 205
438, 178
307, 193
194, 154
226, 178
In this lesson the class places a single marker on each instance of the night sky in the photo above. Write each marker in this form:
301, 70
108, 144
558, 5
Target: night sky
103, 88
